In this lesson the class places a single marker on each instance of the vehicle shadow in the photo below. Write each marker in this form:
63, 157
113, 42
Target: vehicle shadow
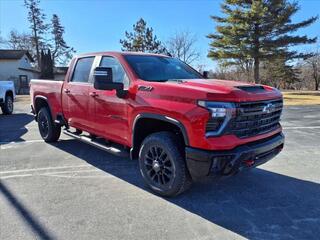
256, 204
12, 127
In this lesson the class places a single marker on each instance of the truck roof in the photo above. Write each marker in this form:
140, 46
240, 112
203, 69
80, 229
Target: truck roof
115, 53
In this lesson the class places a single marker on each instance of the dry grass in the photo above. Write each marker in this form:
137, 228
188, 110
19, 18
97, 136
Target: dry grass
292, 98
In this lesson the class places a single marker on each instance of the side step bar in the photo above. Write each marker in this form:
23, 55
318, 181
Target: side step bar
111, 149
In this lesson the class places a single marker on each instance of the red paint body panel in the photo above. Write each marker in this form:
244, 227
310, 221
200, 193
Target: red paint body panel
111, 117
51, 90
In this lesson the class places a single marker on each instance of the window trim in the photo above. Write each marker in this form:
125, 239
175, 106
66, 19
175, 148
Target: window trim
90, 72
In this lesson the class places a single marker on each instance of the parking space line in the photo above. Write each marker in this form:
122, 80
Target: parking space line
80, 171
21, 141
16, 176
25, 141
77, 177
70, 174
42, 169
301, 127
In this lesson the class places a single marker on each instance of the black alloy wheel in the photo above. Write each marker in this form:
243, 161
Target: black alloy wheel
160, 168
162, 164
49, 131
43, 123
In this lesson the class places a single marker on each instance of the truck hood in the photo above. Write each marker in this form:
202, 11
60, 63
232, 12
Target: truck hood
225, 90
214, 85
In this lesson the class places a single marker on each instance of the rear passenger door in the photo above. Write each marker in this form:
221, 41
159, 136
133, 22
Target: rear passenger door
76, 94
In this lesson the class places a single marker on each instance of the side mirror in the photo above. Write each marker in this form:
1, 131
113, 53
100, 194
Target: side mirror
205, 74
103, 79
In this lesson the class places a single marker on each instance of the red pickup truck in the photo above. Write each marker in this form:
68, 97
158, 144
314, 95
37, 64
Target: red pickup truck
180, 125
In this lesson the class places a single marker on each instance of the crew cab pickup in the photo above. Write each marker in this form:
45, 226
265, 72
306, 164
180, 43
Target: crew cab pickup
179, 125
7, 96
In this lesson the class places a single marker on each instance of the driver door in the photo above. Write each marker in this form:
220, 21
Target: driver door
110, 111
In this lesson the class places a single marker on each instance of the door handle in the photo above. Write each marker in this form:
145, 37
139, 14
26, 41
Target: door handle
66, 90
93, 94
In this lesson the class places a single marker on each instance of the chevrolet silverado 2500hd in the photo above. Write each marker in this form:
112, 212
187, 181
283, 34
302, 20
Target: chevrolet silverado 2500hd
180, 126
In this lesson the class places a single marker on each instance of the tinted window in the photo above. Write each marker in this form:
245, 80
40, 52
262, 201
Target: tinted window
82, 69
118, 73
158, 68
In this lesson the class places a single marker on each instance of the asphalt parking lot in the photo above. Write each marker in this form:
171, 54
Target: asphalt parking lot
69, 190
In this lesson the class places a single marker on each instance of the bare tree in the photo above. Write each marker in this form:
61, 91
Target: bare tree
19, 41
2, 41
182, 46
313, 64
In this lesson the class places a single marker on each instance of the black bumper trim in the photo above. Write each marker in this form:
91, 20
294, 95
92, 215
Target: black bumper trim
199, 162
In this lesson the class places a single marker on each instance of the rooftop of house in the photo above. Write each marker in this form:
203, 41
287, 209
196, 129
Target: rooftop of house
14, 54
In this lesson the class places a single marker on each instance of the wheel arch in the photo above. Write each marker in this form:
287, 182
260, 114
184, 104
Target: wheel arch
39, 102
10, 93
147, 123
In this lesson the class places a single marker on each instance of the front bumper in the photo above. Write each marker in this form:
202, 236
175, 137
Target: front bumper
202, 163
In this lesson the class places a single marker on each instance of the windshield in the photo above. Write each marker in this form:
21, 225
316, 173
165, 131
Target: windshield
160, 68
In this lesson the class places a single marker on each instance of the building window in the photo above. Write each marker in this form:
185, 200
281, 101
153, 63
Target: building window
23, 87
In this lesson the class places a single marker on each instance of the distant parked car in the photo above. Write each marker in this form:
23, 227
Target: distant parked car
7, 96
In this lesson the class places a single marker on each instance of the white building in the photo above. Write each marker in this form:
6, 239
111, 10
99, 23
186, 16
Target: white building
16, 66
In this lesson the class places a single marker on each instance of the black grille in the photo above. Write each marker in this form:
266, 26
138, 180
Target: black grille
254, 118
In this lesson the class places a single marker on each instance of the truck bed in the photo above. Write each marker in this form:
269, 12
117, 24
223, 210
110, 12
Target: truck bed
49, 89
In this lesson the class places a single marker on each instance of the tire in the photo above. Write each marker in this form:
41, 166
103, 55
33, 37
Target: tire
162, 164
7, 107
49, 131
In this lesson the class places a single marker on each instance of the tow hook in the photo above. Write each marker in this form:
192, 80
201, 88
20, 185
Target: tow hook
230, 169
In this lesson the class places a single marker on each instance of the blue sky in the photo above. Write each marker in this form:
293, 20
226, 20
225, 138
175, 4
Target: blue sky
97, 25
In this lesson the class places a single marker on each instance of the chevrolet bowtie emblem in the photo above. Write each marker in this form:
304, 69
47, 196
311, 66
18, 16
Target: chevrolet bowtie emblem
268, 108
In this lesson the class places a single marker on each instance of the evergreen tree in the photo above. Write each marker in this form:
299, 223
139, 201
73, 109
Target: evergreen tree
50, 65
257, 30
61, 52
46, 65
37, 25
142, 39
42, 63
279, 73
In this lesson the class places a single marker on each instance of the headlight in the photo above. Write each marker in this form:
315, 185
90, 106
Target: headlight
218, 109
221, 113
